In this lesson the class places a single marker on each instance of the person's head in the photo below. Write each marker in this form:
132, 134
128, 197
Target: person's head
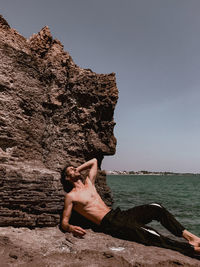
68, 176
72, 174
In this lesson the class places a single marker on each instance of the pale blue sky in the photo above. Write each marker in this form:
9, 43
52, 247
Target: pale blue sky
153, 46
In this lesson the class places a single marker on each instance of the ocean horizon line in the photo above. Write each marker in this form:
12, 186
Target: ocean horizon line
144, 172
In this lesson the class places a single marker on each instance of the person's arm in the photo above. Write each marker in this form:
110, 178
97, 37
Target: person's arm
76, 230
92, 165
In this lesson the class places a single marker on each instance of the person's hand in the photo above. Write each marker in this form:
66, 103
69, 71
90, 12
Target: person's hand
77, 231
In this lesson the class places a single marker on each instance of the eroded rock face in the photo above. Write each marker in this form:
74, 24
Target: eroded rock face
52, 113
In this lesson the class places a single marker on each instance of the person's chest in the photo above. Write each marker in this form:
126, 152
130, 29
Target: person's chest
85, 196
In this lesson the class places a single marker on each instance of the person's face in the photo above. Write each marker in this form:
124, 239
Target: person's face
72, 173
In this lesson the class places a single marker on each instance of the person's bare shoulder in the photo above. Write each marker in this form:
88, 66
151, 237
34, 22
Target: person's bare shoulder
70, 196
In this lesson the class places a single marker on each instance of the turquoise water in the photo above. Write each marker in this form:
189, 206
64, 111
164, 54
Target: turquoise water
180, 194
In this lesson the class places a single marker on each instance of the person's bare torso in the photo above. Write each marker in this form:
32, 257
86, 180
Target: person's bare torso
88, 203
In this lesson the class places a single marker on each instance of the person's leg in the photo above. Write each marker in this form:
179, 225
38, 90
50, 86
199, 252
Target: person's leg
192, 239
144, 214
115, 224
153, 238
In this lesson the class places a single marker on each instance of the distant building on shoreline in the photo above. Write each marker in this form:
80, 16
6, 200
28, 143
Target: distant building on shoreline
146, 173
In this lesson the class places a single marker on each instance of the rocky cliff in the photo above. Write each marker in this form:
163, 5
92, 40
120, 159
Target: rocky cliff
52, 113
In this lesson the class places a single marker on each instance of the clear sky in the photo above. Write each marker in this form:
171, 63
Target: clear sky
153, 46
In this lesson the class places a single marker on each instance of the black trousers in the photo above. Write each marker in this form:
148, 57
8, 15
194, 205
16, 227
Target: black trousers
131, 225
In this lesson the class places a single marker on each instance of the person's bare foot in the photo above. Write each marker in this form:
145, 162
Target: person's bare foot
194, 243
197, 250
192, 239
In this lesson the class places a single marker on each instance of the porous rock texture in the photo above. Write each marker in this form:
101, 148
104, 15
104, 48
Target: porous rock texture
47, 246
52, 113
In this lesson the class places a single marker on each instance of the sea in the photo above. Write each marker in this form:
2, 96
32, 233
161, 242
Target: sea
180, 194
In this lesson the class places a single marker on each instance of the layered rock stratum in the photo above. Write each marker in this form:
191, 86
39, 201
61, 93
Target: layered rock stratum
52, 113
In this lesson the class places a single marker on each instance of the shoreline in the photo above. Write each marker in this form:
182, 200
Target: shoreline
148, 173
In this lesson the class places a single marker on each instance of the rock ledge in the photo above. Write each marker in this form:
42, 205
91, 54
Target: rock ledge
50, 247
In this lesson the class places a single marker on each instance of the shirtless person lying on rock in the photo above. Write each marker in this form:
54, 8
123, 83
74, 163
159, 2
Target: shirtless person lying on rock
129, 224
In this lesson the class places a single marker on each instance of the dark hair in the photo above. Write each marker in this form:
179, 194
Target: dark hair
67, 185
